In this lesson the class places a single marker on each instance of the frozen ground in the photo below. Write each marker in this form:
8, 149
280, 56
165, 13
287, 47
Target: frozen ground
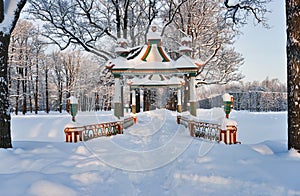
153, 157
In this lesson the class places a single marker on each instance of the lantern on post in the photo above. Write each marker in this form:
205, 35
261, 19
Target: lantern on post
228, 103
73, 106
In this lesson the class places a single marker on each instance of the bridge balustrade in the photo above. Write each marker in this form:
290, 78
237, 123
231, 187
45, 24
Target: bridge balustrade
88, 132
209, 131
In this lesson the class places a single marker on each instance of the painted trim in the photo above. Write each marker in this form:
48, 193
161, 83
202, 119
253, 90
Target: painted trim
161, 52
144, 58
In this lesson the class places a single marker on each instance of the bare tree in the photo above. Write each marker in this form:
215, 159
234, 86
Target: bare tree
240, 11
37, 55
212, 39
88, 23
24, 52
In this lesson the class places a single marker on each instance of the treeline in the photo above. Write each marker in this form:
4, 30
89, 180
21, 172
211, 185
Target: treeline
40, 80
268, 95
259, 101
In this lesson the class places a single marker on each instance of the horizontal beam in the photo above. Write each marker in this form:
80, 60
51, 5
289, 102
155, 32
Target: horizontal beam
153, 71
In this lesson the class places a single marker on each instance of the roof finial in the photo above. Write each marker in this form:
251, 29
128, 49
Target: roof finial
153, 28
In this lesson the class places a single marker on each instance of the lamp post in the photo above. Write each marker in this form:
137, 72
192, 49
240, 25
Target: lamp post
228, 103
73, 106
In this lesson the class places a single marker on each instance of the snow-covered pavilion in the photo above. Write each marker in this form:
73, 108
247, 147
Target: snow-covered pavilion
152, 63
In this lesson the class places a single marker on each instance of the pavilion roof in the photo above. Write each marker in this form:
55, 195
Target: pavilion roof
152, 59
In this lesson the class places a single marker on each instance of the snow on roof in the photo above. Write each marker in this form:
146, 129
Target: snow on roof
116, 61
120, 49
122, 40
186, 39
153, 36
227, 122
226, 97
185, 62
185, 48
152, 57
73, 100
154, 62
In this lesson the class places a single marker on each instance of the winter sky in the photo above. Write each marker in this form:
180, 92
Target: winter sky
264, 49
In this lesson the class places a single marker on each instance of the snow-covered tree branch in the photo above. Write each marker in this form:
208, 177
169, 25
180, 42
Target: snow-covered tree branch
239, 11
212, 38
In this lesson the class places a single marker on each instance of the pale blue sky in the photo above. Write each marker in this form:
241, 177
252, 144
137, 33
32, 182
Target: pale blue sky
264, 49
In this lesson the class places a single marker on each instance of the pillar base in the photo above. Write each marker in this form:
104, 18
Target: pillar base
118, 112
133, 109
179, 108
193, 108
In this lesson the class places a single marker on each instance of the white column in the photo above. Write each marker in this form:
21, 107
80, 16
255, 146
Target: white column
192, 89
193, 99
133, 101
118, 110
178, 96
117, 97
133, 98
179, 107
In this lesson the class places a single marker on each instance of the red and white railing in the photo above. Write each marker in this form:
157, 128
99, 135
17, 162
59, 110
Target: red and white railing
226, 133
87, 132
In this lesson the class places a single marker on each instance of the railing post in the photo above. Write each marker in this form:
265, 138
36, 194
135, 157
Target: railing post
67, 140
75, 133
191, 128
178, 119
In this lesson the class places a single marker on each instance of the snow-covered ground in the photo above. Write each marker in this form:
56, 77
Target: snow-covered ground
153, 157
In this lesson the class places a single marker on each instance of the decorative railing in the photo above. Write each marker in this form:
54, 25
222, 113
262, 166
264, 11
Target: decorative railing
87, 132
206, 130
128, 122
210, 131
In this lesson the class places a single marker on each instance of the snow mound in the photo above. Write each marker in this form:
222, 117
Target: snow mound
270, 147
87, 177
47, 188
154, 157
81, 150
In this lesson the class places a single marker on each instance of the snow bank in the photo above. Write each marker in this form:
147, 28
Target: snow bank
43, 165
47, 188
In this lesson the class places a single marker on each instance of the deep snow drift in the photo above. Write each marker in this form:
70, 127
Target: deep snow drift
154, 157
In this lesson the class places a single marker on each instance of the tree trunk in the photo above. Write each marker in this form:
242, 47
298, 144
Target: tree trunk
118, 17
24, 88
60, 97
5, 137
293, 70
47, 91
125, 20
36, 94
17, 97
30, 89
